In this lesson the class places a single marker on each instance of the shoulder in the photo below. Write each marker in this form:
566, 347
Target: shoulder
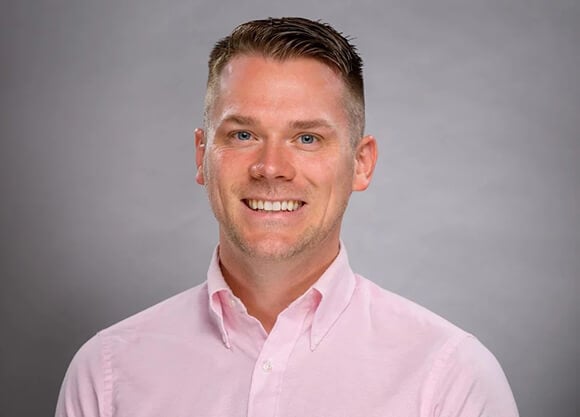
468, 377
88, 383
403, 318
458, 372
174, 323
173, 315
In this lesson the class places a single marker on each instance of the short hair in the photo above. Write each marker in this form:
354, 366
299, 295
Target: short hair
294, 37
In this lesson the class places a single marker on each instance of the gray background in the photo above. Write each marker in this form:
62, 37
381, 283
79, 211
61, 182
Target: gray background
473, 211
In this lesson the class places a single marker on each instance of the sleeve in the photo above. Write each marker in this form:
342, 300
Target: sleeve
81, 393
468, 381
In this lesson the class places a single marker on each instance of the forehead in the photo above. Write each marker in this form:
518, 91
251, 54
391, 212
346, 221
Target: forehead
301, 86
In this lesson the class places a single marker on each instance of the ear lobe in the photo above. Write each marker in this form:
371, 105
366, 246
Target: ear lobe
200, 143
366, 154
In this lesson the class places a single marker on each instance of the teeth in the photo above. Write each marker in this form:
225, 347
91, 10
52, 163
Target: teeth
286, 205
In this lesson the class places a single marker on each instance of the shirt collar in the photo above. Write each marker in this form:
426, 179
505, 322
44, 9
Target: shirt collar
216, 284
334, 290
336, 287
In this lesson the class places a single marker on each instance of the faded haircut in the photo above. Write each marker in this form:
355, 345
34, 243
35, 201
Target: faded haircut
294, 37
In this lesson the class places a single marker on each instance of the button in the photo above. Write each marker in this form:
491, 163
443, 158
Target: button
232, 301
266, 366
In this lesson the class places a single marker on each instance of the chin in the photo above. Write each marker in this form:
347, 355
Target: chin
273, 249
271, 246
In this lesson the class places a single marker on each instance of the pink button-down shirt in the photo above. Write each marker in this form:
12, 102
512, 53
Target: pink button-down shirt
345, 348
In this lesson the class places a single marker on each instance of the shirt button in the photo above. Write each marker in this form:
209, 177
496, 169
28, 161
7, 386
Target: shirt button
266, 366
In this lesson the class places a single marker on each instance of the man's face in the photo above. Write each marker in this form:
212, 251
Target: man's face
277, 160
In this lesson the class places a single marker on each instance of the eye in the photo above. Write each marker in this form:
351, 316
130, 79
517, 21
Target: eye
243, 135
307, 139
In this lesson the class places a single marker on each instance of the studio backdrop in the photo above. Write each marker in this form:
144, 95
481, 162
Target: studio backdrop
474, 210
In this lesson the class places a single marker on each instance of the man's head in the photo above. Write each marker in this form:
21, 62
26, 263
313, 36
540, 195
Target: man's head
293, 37
279, 158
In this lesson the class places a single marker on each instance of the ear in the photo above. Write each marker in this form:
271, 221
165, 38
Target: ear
366, 154
200, 143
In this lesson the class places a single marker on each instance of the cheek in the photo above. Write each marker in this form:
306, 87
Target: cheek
225, 173
216, 166
337, 171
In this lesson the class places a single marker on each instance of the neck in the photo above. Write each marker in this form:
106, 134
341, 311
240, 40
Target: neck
266, 286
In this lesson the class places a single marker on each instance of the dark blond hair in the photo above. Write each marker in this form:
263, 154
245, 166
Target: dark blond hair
294, 37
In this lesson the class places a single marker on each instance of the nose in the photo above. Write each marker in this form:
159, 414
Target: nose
273, 162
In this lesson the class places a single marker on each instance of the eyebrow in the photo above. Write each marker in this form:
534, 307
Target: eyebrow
240, 120
295, 124
310, 124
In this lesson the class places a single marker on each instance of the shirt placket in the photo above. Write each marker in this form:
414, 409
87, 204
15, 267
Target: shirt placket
268, 374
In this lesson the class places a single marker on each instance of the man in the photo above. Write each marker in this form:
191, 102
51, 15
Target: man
283, 327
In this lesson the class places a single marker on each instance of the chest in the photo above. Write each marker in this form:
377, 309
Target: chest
283, 380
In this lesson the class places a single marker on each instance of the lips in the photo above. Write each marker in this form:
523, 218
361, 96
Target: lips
273, 205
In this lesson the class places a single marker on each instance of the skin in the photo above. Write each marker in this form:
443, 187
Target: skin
279, 131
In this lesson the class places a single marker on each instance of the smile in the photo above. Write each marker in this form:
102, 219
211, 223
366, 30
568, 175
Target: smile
266, 205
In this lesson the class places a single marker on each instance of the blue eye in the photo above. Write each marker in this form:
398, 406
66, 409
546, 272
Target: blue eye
307, 139
243, 135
